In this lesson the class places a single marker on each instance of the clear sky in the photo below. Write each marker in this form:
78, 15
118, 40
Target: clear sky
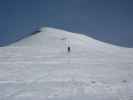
105, 20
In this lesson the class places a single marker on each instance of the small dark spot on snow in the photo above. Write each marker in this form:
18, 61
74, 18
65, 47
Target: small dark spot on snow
124, 81
93, 82
63, 38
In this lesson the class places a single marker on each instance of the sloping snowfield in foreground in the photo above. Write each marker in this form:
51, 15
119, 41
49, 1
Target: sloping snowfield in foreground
40, 68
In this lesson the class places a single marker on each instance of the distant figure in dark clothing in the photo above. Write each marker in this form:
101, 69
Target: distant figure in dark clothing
69, 49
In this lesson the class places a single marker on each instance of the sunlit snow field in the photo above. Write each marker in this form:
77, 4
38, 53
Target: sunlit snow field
40, 68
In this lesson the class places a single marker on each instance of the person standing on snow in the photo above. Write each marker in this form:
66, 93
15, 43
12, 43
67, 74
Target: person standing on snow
68, 49
67, 44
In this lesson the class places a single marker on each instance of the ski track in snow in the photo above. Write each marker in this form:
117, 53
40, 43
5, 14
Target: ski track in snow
39, 68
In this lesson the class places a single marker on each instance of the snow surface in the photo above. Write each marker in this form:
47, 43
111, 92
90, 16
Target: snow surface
39, 68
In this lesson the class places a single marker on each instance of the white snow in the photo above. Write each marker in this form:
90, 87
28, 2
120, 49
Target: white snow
39, 68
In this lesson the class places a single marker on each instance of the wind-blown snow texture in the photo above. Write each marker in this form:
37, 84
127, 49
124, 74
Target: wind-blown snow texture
39, 68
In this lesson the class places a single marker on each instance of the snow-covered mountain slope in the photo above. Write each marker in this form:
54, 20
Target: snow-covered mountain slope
40, 68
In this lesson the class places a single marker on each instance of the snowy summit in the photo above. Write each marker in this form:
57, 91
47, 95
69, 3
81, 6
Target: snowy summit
40, 67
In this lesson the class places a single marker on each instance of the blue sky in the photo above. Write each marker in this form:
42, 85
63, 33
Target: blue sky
105, 20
